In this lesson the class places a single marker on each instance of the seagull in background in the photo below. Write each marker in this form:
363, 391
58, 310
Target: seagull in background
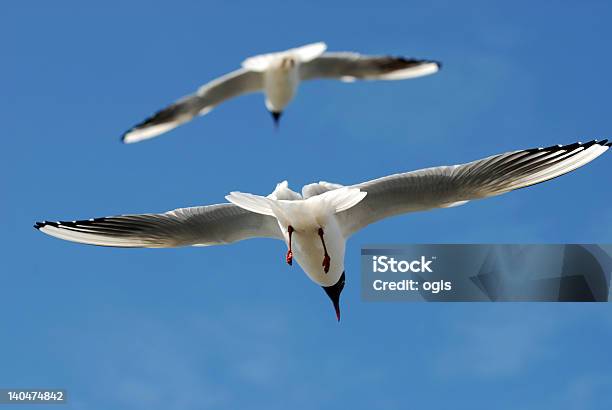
278, 76
316, 223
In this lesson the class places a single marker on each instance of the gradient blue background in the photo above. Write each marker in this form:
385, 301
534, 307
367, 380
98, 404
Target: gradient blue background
235, 327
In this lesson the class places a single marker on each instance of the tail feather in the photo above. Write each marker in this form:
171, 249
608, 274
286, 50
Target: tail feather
341, 199
304, 54
253, 203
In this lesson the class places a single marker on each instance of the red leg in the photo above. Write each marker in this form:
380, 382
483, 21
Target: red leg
326, 258
289, 257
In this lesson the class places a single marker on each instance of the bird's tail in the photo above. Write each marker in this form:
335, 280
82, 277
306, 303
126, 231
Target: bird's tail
334, 201
340, 199
303, 54
254, 203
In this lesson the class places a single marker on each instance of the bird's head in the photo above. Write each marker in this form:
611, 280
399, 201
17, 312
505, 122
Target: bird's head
276, 117
334, 292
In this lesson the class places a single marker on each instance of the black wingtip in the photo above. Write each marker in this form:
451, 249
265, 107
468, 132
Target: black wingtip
69, 224
136, 127
125, 134
423, 62
570, 147
603, 143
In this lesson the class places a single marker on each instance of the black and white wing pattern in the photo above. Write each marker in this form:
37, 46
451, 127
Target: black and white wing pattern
347, 66
448, 186
197, 226
231, 85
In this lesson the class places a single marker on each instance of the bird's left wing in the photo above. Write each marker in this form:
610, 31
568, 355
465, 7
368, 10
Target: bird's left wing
448, 186
197, 226
348, 66
231, 85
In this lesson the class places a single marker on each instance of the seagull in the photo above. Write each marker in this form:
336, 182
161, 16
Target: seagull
316, 223
278, 76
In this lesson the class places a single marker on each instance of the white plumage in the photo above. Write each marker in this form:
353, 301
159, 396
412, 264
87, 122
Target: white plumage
316, 224
278, 75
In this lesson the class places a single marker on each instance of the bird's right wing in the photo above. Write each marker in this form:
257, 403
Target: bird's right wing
348, 66
231, 85
197, 226
448, 186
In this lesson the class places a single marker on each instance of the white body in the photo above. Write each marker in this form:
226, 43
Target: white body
278, 76
306, 217
281, 73
307, 245
281, 81
339, 211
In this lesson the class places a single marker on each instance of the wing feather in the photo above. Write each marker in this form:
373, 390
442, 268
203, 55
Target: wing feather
348, 66
231, 85
197, 226
448, 186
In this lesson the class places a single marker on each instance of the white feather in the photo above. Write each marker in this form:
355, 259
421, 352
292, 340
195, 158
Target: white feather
254, 203
304, 54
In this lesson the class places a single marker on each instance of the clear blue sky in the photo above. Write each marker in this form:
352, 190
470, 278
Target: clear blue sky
234, 327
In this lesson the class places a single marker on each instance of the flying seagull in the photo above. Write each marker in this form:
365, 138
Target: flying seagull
278, 76
316, 223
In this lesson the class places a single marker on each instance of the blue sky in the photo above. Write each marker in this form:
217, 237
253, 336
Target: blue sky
234, 327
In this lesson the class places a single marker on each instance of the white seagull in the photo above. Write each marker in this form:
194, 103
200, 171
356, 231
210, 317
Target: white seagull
316, 224
278, 76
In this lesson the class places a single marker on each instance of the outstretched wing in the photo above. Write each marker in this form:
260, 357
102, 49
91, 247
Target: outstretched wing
353, 66
205, 99
197, 226
454, 185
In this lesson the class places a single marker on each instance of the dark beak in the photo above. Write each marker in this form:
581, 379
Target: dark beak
276, 117
334, 292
